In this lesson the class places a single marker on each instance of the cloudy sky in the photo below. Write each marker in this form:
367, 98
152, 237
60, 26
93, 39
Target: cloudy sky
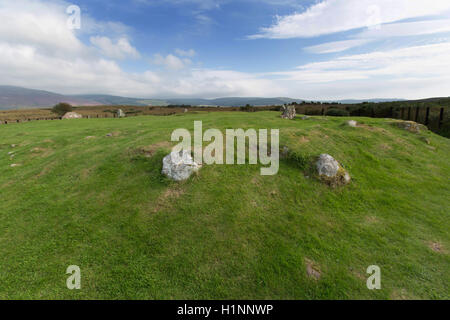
322, 49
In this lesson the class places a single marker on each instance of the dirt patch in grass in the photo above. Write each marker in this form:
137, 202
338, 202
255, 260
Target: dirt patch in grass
303, 140
312, 269
164, 201
113, 134
46, 170
151, 150
7, 184
370, 220
385, 147
41, 152
86, 172
358, 275
436, 247
372, 128
401, 294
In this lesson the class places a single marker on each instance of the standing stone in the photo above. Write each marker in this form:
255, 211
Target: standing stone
289, 112
120, 113
331, 171
179, 166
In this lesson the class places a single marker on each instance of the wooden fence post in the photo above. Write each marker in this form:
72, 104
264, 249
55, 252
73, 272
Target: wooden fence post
441, 118
427, 116
403, 113
417, 114
409, 113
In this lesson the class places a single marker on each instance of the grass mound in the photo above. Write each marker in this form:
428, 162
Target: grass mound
227, 233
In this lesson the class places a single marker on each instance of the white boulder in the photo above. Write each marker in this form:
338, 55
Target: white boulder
352, 123
179, 166
72, 115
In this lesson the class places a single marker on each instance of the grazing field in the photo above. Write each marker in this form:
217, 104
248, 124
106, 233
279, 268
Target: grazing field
78, 197
103, 112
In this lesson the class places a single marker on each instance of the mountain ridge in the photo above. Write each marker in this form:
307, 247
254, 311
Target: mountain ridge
13, 97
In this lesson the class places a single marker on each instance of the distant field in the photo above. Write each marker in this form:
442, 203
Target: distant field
229, 233
100, 111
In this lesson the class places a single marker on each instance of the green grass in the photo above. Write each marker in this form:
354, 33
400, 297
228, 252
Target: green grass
227, 233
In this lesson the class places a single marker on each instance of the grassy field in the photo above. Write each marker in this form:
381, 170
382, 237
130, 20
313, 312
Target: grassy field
228, 233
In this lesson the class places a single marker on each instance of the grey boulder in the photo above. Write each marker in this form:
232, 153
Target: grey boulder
331, 171
289, 112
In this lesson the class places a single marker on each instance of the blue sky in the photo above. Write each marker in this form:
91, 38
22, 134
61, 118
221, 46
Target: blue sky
327, 49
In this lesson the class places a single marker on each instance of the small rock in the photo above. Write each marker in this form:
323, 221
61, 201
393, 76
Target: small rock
10, 153
312, 270
426, 140
306, 118
284, 152
13, 145
90, 137
352, 123
289, 112
185, 110
15, 165
179, 166
113, 134
331, 171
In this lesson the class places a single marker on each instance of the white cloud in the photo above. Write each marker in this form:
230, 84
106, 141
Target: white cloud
170, 61
404, 29
185, 53
336, 46
414, 72
386, 31
120, 50
331, 16
38, 51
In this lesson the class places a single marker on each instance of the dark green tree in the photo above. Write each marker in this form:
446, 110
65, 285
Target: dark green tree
62, 108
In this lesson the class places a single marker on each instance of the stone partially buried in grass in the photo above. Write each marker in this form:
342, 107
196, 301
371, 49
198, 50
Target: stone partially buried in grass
352, 123
179, 166
411, 126
331, 172
72, 115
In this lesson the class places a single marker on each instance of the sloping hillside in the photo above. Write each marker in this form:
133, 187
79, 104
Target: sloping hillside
17, 98
80, 197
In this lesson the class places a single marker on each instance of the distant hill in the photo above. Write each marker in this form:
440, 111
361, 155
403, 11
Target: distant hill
117, 100
19, 98
234, 101
356, 101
